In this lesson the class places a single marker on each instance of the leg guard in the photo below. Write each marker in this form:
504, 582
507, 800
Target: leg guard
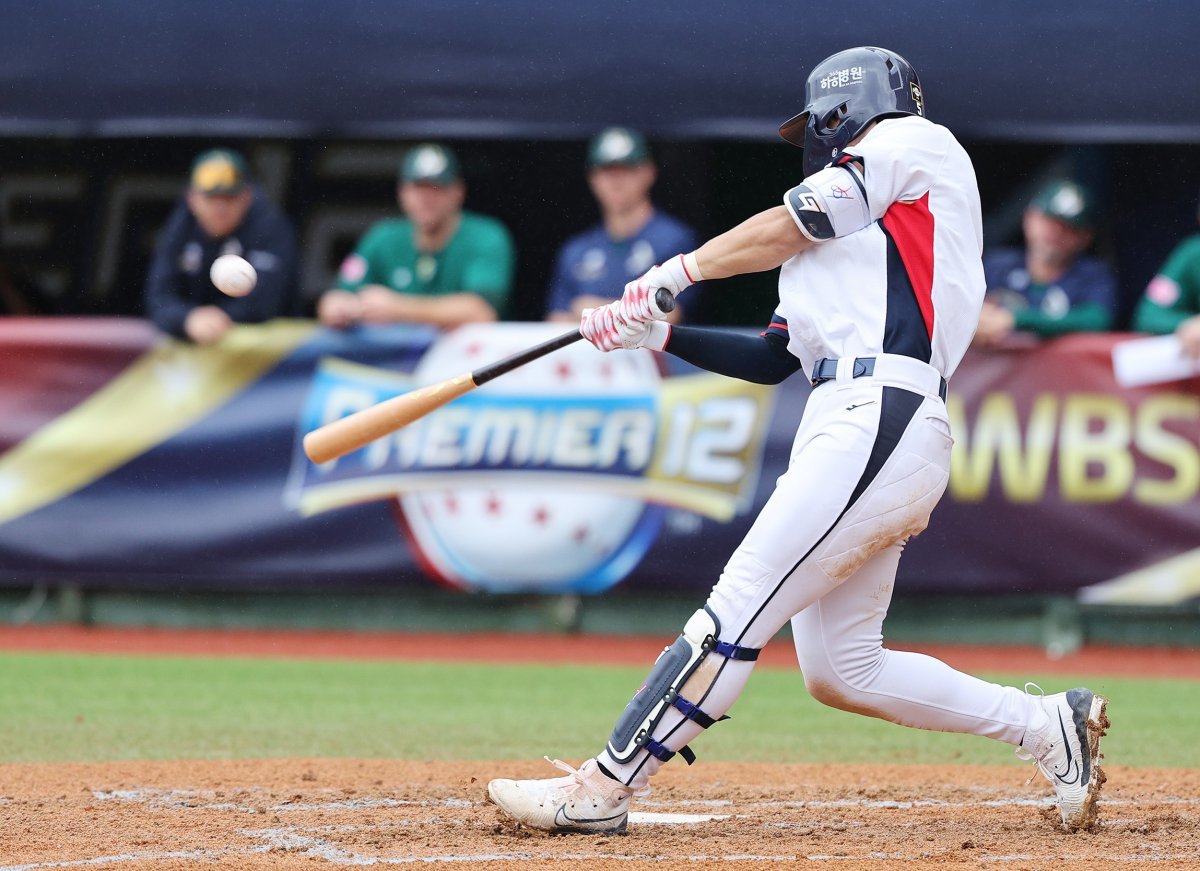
665, 687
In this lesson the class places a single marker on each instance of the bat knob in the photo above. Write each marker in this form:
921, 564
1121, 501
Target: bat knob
664, 301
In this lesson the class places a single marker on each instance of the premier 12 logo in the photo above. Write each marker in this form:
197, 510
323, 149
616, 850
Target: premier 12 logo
554, 477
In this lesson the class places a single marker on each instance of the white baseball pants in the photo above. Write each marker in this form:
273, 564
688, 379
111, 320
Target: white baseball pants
870, 461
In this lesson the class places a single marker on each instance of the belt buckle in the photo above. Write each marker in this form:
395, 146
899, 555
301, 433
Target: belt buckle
863, 366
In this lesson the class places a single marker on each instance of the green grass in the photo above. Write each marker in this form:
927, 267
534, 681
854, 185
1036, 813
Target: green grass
57, 707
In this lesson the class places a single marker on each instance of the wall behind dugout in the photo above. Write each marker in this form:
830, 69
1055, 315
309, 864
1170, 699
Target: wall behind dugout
105, 106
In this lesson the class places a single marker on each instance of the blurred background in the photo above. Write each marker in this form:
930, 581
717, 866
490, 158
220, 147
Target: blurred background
151, 481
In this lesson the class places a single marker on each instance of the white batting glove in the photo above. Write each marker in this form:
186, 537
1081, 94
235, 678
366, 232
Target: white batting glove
637, 302
607, 331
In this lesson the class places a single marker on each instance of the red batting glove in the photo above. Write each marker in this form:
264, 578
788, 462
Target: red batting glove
605, 329
637, 302
600, 327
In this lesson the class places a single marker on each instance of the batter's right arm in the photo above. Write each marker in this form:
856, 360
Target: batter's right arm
759, 243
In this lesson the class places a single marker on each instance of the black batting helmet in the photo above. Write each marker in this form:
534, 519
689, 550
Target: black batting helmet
846, 92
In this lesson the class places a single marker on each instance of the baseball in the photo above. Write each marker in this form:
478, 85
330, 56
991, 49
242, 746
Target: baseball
232, 275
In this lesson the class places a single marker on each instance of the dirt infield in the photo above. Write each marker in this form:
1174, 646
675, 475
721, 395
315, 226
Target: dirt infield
293, 814
575, 649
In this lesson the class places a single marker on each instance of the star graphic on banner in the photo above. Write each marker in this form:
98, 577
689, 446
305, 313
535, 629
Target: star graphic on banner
541, 516
493, 504
563, 370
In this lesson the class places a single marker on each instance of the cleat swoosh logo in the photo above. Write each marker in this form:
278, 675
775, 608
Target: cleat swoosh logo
1073, 771
860, 404
561, 818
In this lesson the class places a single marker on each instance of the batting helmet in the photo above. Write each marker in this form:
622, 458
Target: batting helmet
846, 92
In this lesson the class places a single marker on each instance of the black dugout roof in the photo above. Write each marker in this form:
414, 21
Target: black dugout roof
1099, 71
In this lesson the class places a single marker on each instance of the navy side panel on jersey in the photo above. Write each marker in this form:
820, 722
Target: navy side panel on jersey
904, 326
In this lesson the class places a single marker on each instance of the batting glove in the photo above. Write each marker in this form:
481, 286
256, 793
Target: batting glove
606, 330
637, 302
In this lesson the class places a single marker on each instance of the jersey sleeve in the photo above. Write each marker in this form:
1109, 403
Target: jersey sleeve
490, 269
761, 359
562, 290
165, 300
898, 161
365, 265
1173, 295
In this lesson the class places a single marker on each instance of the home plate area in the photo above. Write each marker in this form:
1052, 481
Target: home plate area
293, 813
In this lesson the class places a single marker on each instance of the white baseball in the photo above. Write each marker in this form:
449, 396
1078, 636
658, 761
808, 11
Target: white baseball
233, 275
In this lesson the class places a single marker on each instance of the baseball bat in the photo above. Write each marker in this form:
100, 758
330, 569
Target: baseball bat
347, 434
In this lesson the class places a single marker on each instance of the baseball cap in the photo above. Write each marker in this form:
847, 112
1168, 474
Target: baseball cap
430, 164
220, 171
1067, 201
617, 146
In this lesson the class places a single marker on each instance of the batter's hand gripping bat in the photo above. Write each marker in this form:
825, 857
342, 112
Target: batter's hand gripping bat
340, 437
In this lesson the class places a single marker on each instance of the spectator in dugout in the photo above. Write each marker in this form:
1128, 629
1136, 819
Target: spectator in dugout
1171, 303
222, 212
1050, 287
438, 265
593, 268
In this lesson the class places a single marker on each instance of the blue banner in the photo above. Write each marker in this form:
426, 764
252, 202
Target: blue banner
136, 461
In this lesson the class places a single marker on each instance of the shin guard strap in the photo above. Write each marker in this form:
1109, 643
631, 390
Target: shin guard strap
736, 651
693, 713
661, 753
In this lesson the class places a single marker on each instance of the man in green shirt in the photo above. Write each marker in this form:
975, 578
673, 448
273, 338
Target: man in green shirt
438, 265
1172, 300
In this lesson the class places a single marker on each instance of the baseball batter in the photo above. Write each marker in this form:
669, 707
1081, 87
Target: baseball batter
879, 294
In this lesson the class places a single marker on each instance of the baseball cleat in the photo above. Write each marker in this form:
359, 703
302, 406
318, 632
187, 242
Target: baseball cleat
1067, 752
586, 801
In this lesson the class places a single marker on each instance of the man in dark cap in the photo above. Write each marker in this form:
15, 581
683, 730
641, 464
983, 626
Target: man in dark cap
1050, 287
594, 267
220, 213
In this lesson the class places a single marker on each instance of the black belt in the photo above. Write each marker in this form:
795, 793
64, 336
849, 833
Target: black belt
825, 369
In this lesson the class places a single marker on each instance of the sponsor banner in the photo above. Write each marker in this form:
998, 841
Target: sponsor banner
132, 460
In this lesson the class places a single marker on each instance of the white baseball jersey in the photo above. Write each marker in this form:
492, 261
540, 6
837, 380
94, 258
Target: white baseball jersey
902, 273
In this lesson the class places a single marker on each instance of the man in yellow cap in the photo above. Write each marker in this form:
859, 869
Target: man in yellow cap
220, 213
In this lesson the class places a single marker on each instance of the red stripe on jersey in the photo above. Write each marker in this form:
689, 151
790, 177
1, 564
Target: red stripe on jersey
911, 226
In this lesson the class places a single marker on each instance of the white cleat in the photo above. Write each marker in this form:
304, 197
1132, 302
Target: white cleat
586, 800
1067, 752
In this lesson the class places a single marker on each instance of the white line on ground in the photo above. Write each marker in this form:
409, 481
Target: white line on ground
652, 819
192, 798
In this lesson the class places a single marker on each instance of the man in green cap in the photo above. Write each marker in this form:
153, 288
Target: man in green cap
593, 268
220, 213
1050, 288
1171, 303
438, 265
